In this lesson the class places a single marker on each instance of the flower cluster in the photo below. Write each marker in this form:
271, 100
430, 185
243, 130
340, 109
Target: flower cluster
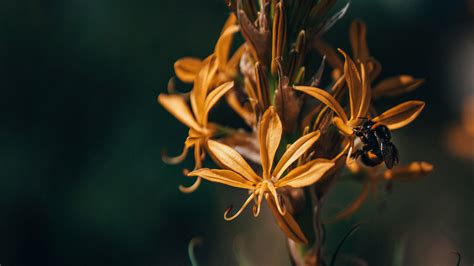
304, 127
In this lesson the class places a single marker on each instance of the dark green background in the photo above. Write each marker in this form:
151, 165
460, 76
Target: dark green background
81, 136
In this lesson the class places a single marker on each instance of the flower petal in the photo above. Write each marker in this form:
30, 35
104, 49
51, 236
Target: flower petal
187, 68
258, 38
201, 86
232, 160
397, 85
343, 127
294, 151
353, 81
306, 174
414, 170
269, 136
223, 46
357, 36
324, 97
286, 222
366, 93
231, 20
400, 115
215, 95
177, 106
263, 92
287, 102
225, 177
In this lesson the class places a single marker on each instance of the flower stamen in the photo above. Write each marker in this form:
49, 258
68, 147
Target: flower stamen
228, 210
175, 159
191, 188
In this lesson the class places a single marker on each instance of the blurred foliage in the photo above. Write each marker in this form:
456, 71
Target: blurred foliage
81, 136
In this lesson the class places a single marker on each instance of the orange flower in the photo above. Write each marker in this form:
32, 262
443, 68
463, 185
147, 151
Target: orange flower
239, 174
196, 118
360, 101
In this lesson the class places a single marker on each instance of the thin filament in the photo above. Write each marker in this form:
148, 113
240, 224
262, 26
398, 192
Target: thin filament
246, 203
177, 159
191, 188
277, 200
258, 204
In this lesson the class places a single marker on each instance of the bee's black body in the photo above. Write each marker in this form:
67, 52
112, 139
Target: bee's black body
377, 145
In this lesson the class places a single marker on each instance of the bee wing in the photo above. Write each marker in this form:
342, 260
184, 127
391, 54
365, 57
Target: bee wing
389, 154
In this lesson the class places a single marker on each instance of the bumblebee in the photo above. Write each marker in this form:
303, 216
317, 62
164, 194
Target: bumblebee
377, 146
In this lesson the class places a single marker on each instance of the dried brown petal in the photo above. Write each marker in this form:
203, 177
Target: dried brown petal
287, 103
269, 136
232, 160
263, 92
258, 38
